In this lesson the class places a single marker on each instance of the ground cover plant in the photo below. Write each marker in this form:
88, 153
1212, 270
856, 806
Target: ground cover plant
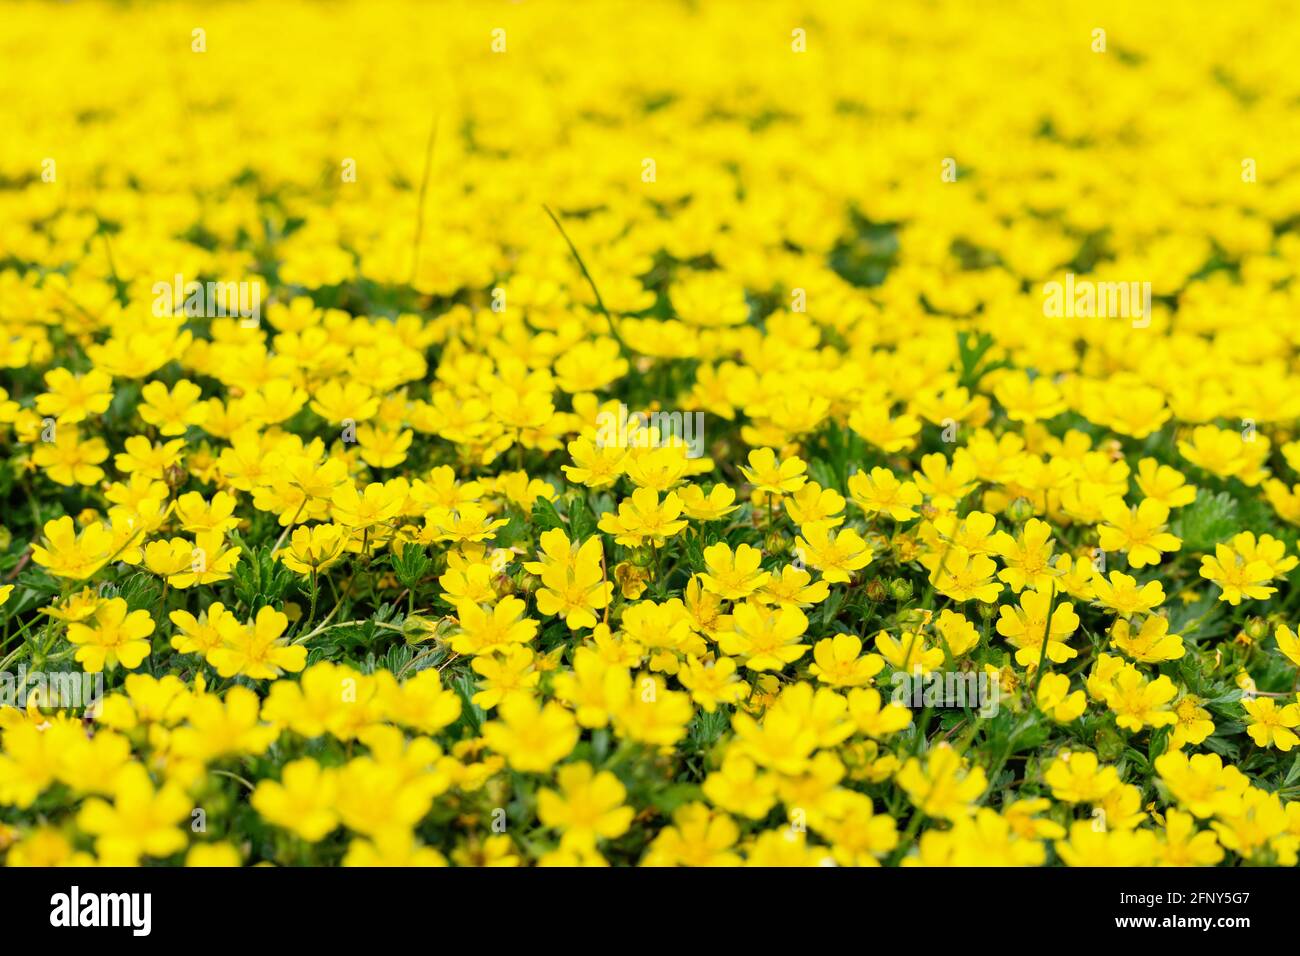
695, 434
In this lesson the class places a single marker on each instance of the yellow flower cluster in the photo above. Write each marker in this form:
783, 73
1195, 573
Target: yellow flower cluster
706, 434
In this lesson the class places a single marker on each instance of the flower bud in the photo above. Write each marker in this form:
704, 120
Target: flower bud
777, 543
1020, 510
1110, 744
417, 628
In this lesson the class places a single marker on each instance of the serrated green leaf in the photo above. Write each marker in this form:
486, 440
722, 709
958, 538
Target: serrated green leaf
545, 517
1207, 521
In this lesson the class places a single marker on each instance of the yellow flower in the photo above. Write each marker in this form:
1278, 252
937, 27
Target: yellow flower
1259, 818
593, 465
256, 650
70, 460
212, 854
716, 505
209, 631
29, 761
588, 806
944, 786
957, 634
767, 638
740, 787
1055, 700
1078, 777
1241, 577
733, 576
302, 801
713, 682
113, 637
1094, 846
1164, 484
1270, 725
945, 483
1152, 644
141, 820
835, 554
314, 548
881, 492
337, 401
574, 587
486, 632
172, 411
767, 474
72, 398
377, 504
215, 727
908, 652
1027, 558
1139, 703
1288, 643
532, 737
46, 846
512, 673
66, 554
1138, 532
709, 299
814, 505
1221, 452
964, 576
652, 714
395, 848
1026, 627
643, 517
1201, 784
1194, 723
210, 561
1121, 594
1184, 845
467, 523
873, 719
837, 662
697, 837
794, 588
1026, 399
144, 459
197, 515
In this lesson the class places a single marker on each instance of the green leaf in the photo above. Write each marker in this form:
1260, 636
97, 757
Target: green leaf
471, 713
823, 474
1158, 744
1294, 773
545, 517
672, 797
1207, 521
582, 523
516, 528
259, 579
141, 592
410, 564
